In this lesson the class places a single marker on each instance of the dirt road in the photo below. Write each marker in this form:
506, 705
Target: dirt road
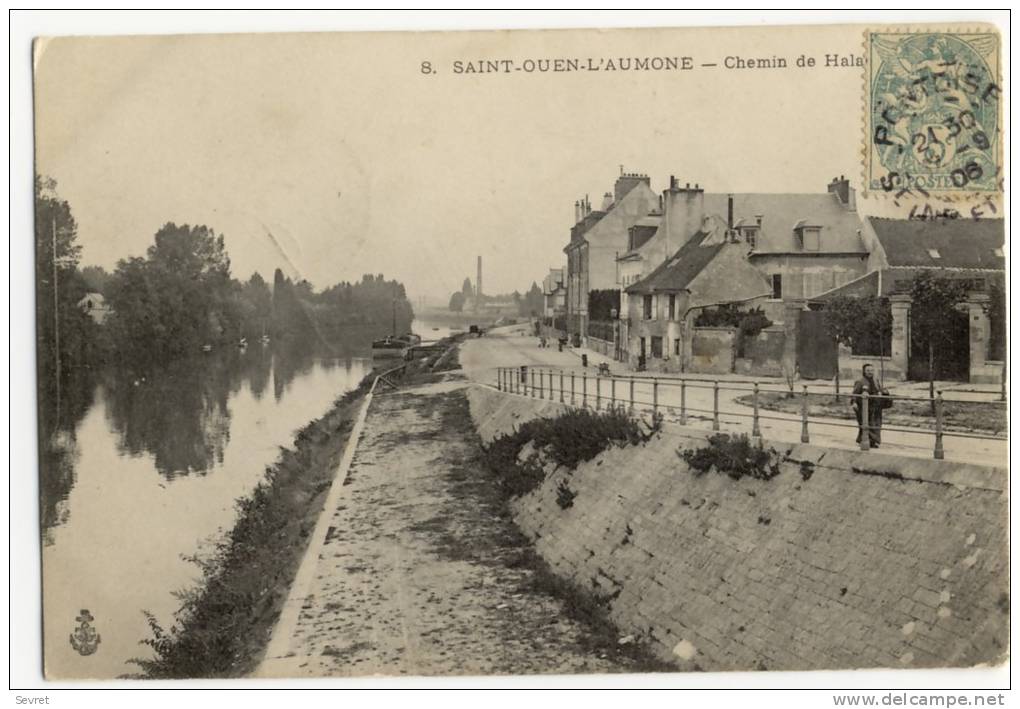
422, 572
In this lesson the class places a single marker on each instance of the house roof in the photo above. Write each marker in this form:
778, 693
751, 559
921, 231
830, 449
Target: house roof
682, 268
641, 233
942, 243
782, 213
96, 298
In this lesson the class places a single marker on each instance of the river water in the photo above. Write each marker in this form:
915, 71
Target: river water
146, 472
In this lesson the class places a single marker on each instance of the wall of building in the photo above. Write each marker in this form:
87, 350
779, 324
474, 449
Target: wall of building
811, 274
712, 350
608, 238
763, 354
844, 560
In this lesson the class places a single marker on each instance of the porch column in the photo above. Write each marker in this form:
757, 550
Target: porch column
980, 328
791, 328
900, 351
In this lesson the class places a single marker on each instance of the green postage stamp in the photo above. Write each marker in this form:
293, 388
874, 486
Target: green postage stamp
932, 111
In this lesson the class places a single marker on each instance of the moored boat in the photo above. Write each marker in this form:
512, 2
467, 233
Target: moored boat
394, 345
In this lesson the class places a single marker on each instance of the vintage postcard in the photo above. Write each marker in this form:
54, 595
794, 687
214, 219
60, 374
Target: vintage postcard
522, 352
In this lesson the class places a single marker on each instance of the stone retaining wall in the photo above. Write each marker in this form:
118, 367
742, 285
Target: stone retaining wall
844, 560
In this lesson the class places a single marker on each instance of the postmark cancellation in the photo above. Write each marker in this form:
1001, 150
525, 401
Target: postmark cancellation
932, 111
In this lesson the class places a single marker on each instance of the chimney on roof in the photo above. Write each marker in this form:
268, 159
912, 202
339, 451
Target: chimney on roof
607, 201
577, 211
840, 186
758, 218
626, 182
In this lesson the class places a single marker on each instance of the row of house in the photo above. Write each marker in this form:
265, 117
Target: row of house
671, 256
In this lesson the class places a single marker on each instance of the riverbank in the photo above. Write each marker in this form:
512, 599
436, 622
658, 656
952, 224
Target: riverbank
224, 625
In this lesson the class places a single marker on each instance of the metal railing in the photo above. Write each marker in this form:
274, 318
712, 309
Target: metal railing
645, 392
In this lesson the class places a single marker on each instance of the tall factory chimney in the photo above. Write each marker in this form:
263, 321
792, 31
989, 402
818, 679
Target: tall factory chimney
478, 286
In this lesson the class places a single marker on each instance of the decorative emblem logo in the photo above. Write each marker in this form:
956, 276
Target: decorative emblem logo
85, 640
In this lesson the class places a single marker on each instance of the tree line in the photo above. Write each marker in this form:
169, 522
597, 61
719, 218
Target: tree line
179, 297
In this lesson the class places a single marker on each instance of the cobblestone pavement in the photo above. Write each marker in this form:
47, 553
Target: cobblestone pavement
422, 573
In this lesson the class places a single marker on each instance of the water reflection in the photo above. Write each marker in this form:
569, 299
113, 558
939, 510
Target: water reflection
147, 472
179, 414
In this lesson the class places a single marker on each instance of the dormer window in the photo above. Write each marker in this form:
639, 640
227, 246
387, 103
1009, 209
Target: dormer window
807, 237
812, 238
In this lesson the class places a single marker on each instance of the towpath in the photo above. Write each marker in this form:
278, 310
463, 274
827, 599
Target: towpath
422, 572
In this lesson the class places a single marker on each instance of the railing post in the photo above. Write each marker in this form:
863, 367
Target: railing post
683, 401
572, 399
715, 405
532, 372
561, 386
865, 427
584, 389
598, 392
612, 392
755, 425
541, 384
655, 395
804, 438
940, 454
632, 393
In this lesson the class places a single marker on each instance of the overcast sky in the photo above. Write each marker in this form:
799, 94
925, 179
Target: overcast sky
332, 155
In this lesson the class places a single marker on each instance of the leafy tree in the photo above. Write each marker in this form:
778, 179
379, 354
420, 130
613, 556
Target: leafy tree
842, 320
64, 333
466, 289
457, 302
177, 298
601, 304
534, 302
933, 304
96, 279
860, 323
